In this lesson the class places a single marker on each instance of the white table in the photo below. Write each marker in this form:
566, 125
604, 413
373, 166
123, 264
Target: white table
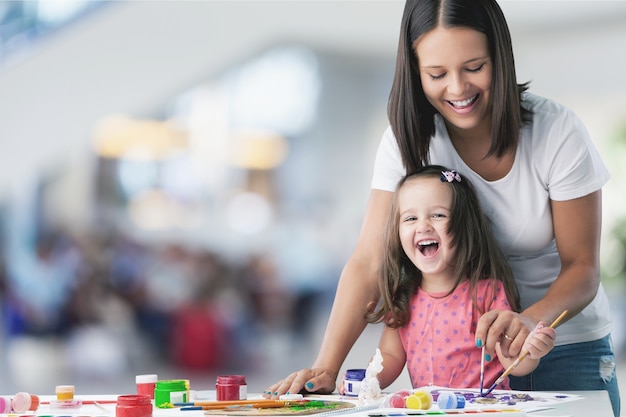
591, 404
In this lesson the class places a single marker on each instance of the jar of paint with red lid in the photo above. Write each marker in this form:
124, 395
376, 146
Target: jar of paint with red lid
146, 384
231, 387
133, 406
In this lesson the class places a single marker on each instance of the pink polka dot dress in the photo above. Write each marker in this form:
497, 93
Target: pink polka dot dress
439, 339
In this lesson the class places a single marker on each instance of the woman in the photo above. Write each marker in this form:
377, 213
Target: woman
455, 102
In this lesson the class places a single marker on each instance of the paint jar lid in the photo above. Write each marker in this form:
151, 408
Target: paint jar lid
63, 405
231, 380
23, 401
133, 400
147, 378
355, 374
170, 384
64, 388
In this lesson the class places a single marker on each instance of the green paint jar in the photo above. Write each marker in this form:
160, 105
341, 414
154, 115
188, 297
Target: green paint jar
169, 392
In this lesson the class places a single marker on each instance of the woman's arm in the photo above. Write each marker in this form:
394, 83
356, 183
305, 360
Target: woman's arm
357, 287
577, 226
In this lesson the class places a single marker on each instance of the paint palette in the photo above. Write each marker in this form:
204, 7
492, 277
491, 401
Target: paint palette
307, 407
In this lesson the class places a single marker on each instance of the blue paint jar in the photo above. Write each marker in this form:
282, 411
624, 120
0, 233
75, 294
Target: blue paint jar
449, 400
352, 382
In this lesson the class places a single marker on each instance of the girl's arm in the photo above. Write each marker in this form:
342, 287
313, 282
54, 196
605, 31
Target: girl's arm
394, 357
356, 289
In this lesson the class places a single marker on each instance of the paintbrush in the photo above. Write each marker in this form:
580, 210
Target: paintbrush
242, 406
258, 403
519, 359
482, 370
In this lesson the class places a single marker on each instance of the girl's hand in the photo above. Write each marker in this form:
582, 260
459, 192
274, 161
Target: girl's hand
341, 388
540, 341
303, 381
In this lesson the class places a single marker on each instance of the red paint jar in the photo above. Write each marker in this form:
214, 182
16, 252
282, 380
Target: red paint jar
133, 406
231, 387
146, 384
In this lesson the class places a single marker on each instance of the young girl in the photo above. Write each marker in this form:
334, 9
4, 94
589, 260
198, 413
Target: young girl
442, 269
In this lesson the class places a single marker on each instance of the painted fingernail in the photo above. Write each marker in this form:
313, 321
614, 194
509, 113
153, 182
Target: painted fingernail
487, 357
309, 385
275, 392
479, 343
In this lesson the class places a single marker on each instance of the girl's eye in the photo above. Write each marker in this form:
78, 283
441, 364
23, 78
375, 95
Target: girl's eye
437, 77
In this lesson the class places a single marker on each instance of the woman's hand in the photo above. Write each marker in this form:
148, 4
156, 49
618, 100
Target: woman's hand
303, 381
507, 327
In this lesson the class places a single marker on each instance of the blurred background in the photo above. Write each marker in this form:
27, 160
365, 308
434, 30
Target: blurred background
181, 182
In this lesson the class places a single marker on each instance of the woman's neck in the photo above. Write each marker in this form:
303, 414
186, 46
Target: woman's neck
473, 146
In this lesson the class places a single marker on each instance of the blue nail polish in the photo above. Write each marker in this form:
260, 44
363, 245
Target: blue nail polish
309, 385
275, 392
479, 343
487, 357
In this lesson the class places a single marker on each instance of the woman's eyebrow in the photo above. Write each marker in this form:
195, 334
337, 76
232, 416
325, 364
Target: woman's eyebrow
469, 61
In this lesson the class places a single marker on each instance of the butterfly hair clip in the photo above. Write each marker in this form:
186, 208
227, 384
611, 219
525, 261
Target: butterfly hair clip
450, 176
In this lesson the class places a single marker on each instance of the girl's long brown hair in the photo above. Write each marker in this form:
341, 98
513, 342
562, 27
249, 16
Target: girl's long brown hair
478, 256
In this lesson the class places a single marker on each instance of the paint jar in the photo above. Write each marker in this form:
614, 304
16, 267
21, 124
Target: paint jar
231, 387
133, 406
352, 382
5, 404
23, 401
64, 392
419, 400
146, 384
397, 399
171, 391
450, 400
65, 405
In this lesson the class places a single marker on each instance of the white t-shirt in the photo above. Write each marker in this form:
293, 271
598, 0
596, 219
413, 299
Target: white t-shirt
555, 160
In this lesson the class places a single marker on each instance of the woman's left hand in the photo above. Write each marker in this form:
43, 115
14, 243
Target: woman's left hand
504, 326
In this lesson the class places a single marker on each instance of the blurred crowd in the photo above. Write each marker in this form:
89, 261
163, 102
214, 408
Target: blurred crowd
168, 303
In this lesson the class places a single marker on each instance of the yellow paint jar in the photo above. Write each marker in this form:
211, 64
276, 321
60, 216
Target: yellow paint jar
419, 400
65, 392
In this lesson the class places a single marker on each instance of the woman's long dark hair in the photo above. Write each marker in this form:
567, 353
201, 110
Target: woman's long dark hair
411, 115
478, 256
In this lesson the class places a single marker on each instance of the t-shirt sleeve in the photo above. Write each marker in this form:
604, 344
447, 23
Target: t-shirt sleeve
388, 167
575, 166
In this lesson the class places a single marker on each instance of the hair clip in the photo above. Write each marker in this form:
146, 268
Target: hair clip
450, 176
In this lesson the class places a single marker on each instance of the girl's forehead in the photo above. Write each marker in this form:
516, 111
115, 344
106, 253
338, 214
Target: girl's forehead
426, 189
